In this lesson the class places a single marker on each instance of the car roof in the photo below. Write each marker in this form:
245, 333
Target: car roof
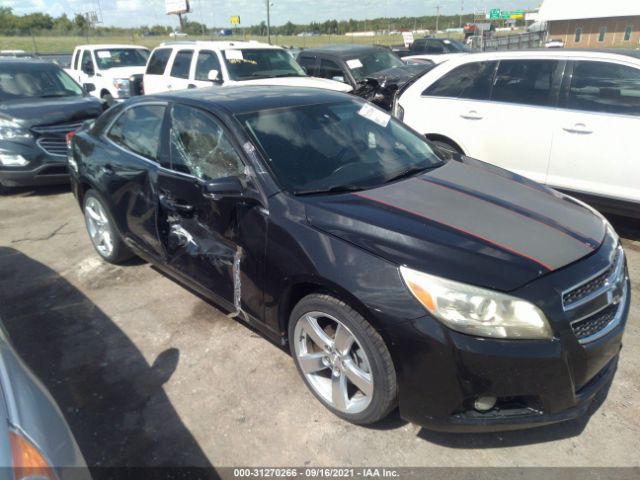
237, 99
218, 44
344, 49
26, 61
100, 46
611, 53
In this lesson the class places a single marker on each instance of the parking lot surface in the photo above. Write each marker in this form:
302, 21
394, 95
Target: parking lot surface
147, 373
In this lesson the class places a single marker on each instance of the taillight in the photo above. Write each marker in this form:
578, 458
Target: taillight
69, 137
28, 462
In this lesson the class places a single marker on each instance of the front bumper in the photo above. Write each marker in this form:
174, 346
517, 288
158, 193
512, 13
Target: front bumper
42, 169
536, 382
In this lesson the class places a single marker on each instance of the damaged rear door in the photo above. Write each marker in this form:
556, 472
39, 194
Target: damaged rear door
216, 240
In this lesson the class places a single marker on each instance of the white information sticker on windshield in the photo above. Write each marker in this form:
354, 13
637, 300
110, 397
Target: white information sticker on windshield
104, 54
233, 54
375, 115
355, 63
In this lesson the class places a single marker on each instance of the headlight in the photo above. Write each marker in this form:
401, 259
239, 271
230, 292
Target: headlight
477, 311
12, 131
398, 111
12, 160
122, 86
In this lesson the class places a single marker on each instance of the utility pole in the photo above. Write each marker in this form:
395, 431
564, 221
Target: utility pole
437, 17
461, 12
269, 22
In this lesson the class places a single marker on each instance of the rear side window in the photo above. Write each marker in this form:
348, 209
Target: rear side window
527, 82
308, 63
138, 129
434, 46
207, 61
158, 61
605, 87
418, 46
471, 80
181, 64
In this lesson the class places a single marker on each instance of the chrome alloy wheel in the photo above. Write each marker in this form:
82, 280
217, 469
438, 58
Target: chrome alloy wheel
98, 226
333, 362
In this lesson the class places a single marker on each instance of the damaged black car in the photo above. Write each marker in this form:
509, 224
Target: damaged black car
465, 295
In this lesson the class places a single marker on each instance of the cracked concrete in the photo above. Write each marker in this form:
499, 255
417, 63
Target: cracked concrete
149, 374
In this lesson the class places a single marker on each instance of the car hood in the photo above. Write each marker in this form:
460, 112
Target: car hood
50, 111
300, 82
122, 72
398, 75
471, 222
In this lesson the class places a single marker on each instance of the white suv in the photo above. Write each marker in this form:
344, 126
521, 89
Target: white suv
564, 118
180, 65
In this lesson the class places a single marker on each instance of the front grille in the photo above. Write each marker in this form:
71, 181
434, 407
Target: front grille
52, 138
592, 325
584, 292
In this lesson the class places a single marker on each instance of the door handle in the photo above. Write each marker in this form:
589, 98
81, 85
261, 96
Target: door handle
107, 169
174, 206
471, 115
578, 128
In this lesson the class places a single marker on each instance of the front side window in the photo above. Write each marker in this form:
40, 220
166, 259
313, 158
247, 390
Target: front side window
182, 64
605, 87
254, 63
200, 146
331, 70
527, 82
471, 80
207, 61
35, 80
578, 36
340, 145
121, 57
87, 63
627, 33
158, 61
308, 64
434, 46
138, 129
602, 34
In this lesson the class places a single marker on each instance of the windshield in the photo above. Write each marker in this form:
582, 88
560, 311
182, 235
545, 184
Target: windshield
454, 46
348, 145
247, 64
363, 66
25, 80
121, 57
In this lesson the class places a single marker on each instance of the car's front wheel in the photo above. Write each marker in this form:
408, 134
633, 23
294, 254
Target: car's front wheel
102, 232
342, 359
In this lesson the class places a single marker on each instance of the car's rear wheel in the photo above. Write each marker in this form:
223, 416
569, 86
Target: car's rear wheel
342, 359
102, 232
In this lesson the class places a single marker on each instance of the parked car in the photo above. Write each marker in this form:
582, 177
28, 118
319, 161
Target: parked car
110, 72
375, 72
436, 50
471, 297
188, 64
39, 105
35, 440
562, 118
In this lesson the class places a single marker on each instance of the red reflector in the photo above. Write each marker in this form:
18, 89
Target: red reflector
69, 136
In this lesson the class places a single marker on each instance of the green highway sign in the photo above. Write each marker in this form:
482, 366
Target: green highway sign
494, 13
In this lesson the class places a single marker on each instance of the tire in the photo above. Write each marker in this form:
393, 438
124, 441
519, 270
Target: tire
330, 372
103, 234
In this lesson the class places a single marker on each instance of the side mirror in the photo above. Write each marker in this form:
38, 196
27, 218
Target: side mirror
214, 76
338, 78
225, 187
88, 87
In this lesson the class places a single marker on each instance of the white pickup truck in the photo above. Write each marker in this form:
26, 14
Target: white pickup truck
110, 72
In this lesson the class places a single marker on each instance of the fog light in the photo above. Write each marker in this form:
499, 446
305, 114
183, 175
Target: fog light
484, 404
11, 160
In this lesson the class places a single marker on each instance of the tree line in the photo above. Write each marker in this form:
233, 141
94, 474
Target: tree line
45, 24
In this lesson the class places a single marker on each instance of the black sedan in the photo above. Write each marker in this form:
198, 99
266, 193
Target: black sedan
39, 105
467, 295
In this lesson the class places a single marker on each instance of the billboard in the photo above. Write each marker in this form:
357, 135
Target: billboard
235, 20
176, 6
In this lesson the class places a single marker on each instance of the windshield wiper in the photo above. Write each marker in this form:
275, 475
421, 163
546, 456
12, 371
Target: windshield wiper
410, 172
333, 189
55, 95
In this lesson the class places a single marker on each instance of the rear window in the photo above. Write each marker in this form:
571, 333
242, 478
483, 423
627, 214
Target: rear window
158, 61
182, 64
527, 82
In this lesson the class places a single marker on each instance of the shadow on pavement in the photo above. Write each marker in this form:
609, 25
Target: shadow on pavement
112, 398
41, 191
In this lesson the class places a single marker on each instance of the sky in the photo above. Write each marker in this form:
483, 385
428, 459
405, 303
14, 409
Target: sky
131, 13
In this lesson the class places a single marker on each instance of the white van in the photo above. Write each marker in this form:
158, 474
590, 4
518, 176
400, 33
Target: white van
192, 64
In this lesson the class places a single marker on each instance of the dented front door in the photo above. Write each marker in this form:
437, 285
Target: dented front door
216, 243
